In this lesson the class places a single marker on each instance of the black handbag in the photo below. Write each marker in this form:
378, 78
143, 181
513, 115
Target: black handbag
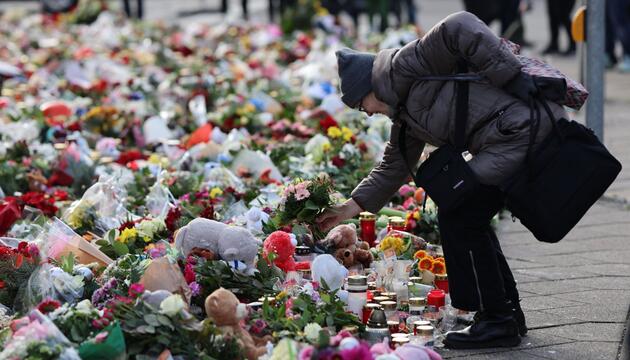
445, 175
557, 185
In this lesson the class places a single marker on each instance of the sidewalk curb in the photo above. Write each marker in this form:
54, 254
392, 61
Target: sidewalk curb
624, 347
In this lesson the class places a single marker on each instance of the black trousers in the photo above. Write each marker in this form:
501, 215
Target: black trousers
559, 12
478, 274
138, 12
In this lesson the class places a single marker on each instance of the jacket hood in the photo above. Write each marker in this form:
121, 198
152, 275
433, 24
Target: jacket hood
382, 78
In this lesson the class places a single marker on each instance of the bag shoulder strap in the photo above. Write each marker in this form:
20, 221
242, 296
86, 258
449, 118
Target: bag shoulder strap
461, 109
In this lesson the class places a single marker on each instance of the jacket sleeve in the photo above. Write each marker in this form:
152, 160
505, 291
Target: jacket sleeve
385, 179
460, 35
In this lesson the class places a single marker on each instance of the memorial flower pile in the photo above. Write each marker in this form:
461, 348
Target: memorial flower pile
143, 168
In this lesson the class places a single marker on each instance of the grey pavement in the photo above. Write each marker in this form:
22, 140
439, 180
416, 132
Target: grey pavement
575, 294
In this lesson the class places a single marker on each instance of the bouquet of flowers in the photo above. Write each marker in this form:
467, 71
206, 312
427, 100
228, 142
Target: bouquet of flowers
36, 337
303, 200
16, 266
133, 237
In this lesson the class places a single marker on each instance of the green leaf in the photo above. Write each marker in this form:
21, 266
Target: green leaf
151, 319
120, 248
309, 204
324, 339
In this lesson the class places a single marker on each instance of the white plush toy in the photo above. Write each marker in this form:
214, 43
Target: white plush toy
230, 243
328, 268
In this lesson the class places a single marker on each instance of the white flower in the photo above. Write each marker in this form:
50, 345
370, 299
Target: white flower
84, 307
311, 331
172, 305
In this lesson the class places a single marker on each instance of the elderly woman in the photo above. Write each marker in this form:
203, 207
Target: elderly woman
497, 135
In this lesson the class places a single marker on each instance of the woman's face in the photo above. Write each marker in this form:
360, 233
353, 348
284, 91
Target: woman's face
371, 105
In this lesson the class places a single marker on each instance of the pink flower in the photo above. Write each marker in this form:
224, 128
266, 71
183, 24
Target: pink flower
301, 191
101, 337
135, 290
406, 190
306, 353
195, 288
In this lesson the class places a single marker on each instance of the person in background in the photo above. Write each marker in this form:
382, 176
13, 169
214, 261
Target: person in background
224, 8
139, 9
508, 12
619, 15
559, 12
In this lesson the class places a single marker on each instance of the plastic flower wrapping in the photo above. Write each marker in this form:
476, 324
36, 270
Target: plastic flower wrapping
145, 168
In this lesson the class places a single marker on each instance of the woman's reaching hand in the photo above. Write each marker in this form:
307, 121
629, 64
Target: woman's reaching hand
337, 214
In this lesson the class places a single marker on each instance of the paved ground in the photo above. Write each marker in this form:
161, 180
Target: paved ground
576, 294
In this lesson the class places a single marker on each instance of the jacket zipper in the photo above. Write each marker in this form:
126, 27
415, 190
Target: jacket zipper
472, 260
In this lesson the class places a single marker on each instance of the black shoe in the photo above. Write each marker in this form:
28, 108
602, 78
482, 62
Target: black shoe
520, 319
489, 330
550, 50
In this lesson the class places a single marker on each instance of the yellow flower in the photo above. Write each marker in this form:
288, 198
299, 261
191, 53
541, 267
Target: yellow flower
215, 192
326, 147
154, 159
127, 234
146, 239
334, 132
392, 242
346, 133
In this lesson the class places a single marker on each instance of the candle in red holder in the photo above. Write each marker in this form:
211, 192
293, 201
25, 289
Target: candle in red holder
396, 223
441, 282
436, 298
368, 227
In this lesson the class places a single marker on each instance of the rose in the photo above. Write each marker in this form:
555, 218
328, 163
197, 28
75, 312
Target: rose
9, 213
172, 305
311, 332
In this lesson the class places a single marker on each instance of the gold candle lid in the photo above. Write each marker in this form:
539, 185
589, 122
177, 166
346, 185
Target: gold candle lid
379, 299
396, 221
391, 295
441, 277
425, 330
417, 301
372, 306
400, 340
421, 323
388, 305
366, 215
395, 335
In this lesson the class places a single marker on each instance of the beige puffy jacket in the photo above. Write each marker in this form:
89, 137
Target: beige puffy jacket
497, 128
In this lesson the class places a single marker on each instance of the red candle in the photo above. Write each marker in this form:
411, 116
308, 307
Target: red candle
368, 227
436, 298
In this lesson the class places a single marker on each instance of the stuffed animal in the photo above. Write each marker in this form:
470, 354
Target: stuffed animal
226, 311
348, 249
230, 243
328, 268
283, 245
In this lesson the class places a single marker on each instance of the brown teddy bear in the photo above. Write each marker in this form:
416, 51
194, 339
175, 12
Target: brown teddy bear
348, 249
226, 311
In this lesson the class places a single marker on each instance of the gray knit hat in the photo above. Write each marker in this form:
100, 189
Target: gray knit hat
355, 75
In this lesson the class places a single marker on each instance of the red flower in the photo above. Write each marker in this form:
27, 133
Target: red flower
327, 121
266, 179
172, 218
47, 306
60, 178
10, 212
130, 155
75, 126
135, 290
207, 212
189, 273
2, 284
363, 147
40, 201
338, 162
60, 195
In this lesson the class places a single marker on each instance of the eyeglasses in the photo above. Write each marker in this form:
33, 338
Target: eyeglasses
360, 107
